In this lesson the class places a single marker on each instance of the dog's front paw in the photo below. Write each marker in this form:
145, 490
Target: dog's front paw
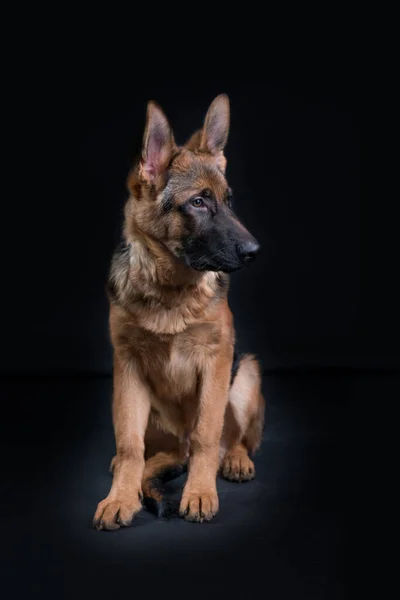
117, 510
199, 506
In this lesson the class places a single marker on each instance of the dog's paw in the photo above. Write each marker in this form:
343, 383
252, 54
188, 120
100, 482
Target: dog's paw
117, 511
238, 468
199, 506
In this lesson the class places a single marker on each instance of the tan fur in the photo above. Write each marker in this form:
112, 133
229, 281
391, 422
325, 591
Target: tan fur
173, 337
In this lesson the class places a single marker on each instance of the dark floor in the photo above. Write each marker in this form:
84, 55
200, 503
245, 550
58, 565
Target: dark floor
285, 531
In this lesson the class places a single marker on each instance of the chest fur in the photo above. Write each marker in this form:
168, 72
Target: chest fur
173, 364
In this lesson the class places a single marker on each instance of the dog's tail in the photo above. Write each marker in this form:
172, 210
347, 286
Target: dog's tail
159, 469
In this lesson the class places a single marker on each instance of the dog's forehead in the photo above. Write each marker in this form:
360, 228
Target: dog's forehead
196, 172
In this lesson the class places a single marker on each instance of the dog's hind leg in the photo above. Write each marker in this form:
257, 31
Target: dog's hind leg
244, 422
237, 465
166, 458
159, 469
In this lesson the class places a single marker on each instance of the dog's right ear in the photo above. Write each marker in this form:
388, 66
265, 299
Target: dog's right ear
158, 144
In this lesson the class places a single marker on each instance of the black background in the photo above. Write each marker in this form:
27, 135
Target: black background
322, 333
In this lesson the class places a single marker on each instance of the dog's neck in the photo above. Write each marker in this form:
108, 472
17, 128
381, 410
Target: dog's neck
155, 265
164, 295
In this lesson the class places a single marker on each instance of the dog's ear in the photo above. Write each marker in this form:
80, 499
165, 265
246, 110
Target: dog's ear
216, 129
158, 144
216, 126
214, 135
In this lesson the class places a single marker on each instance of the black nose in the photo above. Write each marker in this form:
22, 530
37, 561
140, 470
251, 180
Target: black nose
248, 250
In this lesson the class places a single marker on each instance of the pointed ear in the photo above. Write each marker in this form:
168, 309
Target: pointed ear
216, 126
158, 144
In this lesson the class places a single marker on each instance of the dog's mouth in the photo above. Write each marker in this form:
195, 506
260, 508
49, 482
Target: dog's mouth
226, 266
225, 260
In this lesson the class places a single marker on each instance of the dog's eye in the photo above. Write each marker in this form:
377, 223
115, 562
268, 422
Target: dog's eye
197, 202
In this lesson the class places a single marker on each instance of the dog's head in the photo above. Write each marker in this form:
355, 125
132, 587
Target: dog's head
180, 195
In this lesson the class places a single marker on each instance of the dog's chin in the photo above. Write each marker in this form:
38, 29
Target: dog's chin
203, 265
216, 268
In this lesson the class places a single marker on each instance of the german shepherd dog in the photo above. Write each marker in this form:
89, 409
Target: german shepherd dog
182, 398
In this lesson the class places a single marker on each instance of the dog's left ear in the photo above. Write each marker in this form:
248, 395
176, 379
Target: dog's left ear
214, 135
216, 129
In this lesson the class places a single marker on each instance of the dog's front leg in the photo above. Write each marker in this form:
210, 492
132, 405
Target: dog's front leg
131, 407
200, 500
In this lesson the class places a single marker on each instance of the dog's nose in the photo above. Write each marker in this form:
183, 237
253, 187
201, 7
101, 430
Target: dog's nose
248, 250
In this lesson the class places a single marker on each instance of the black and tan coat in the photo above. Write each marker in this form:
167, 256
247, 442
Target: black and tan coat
180, 399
